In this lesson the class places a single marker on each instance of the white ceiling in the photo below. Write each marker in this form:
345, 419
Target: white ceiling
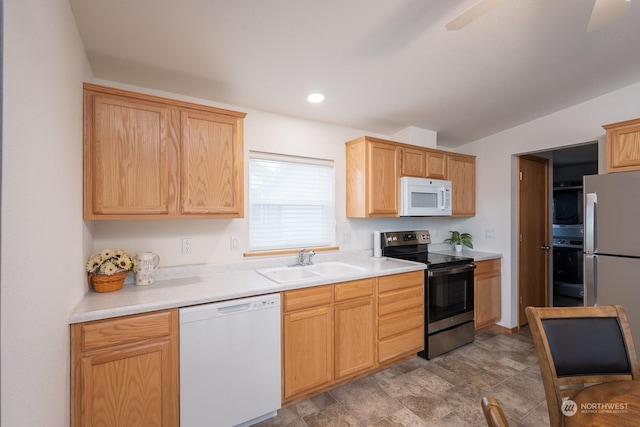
382, 64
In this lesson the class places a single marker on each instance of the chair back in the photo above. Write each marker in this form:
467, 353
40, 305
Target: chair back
578, 347
493, 412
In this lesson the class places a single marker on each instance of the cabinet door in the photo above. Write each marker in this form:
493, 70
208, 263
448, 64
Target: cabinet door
124, 371
383, 178
400, 345
414, 162
354, 337
623, 146
462, 173
211, 166
307, 350
130, 386
126, 146
436, 165
487, 293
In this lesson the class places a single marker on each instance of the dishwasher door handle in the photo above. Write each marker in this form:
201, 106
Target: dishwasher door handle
234, 308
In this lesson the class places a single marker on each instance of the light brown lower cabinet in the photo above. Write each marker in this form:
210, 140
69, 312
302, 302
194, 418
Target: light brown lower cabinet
487, 293
354, 335
334, 333
307, 350
125, 371
400, 315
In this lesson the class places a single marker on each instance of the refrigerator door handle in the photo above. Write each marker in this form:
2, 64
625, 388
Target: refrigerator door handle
591, 204
590, 280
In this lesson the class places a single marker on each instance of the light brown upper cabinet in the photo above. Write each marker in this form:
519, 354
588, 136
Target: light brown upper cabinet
373, 172
147, 157
414, 162
462, 174
623, 146
374, 168
423, 163
436, 164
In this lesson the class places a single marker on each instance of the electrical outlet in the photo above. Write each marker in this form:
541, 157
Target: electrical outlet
346, 238
186, 245
490, 233
234, 243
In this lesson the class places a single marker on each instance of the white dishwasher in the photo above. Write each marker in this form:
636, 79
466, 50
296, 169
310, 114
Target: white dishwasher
230, 362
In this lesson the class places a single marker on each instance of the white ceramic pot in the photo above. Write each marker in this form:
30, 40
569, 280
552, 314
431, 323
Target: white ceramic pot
458, 248
148, 262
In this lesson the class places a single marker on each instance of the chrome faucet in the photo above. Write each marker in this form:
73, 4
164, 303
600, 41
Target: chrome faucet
304, 259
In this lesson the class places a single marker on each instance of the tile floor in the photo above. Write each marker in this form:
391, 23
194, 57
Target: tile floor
444, 391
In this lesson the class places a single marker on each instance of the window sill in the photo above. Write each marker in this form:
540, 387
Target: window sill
289, 251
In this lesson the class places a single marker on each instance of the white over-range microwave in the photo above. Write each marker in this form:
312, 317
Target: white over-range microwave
424, 197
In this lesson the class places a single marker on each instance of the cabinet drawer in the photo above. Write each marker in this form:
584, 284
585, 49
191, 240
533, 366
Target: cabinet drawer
401, 322
487, 266
124, 330
399, 281
306, 298
397, 345
403, 299
354, 289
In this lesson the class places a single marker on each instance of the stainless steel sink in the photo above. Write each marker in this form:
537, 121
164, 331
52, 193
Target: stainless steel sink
309, 272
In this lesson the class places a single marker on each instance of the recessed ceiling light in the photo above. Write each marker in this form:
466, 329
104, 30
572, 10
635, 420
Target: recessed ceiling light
314, 98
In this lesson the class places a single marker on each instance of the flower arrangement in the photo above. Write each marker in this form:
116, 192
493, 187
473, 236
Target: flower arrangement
110, 262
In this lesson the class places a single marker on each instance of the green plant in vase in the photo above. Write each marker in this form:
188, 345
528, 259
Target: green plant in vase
458, 239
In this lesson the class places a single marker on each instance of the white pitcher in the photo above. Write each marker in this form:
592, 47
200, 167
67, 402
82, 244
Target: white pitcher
148, 262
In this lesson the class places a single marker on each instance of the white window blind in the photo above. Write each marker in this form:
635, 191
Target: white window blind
291, 202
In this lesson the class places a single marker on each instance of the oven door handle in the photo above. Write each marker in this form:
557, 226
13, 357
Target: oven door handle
451, 270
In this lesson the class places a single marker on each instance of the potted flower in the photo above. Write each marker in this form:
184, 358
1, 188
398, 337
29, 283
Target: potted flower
458, 239
108, 269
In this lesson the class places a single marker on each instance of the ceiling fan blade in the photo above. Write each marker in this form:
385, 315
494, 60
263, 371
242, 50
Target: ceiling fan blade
471, 14
605, 12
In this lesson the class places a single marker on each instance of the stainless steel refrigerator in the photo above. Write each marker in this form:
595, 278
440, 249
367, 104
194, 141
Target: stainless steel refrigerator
612, 243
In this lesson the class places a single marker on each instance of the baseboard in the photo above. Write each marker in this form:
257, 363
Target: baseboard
505, 329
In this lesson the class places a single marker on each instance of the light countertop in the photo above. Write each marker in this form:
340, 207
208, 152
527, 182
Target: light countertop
203, 284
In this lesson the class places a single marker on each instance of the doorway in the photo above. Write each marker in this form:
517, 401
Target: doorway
560, 271
570, 165
533, 234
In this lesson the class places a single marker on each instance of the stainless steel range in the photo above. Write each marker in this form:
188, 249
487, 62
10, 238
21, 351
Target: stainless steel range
448, 290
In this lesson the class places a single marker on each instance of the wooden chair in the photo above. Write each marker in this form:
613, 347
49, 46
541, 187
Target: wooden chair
578, 347
493, 412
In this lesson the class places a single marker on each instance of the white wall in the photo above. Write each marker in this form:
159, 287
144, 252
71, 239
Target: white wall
43, 239
211, 238
496, 172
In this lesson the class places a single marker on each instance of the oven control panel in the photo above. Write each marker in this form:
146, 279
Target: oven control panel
405, 238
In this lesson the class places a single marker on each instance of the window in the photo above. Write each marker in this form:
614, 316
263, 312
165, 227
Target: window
291, 202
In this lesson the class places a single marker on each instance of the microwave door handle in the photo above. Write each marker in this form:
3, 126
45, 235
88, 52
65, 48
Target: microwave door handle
441, 193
